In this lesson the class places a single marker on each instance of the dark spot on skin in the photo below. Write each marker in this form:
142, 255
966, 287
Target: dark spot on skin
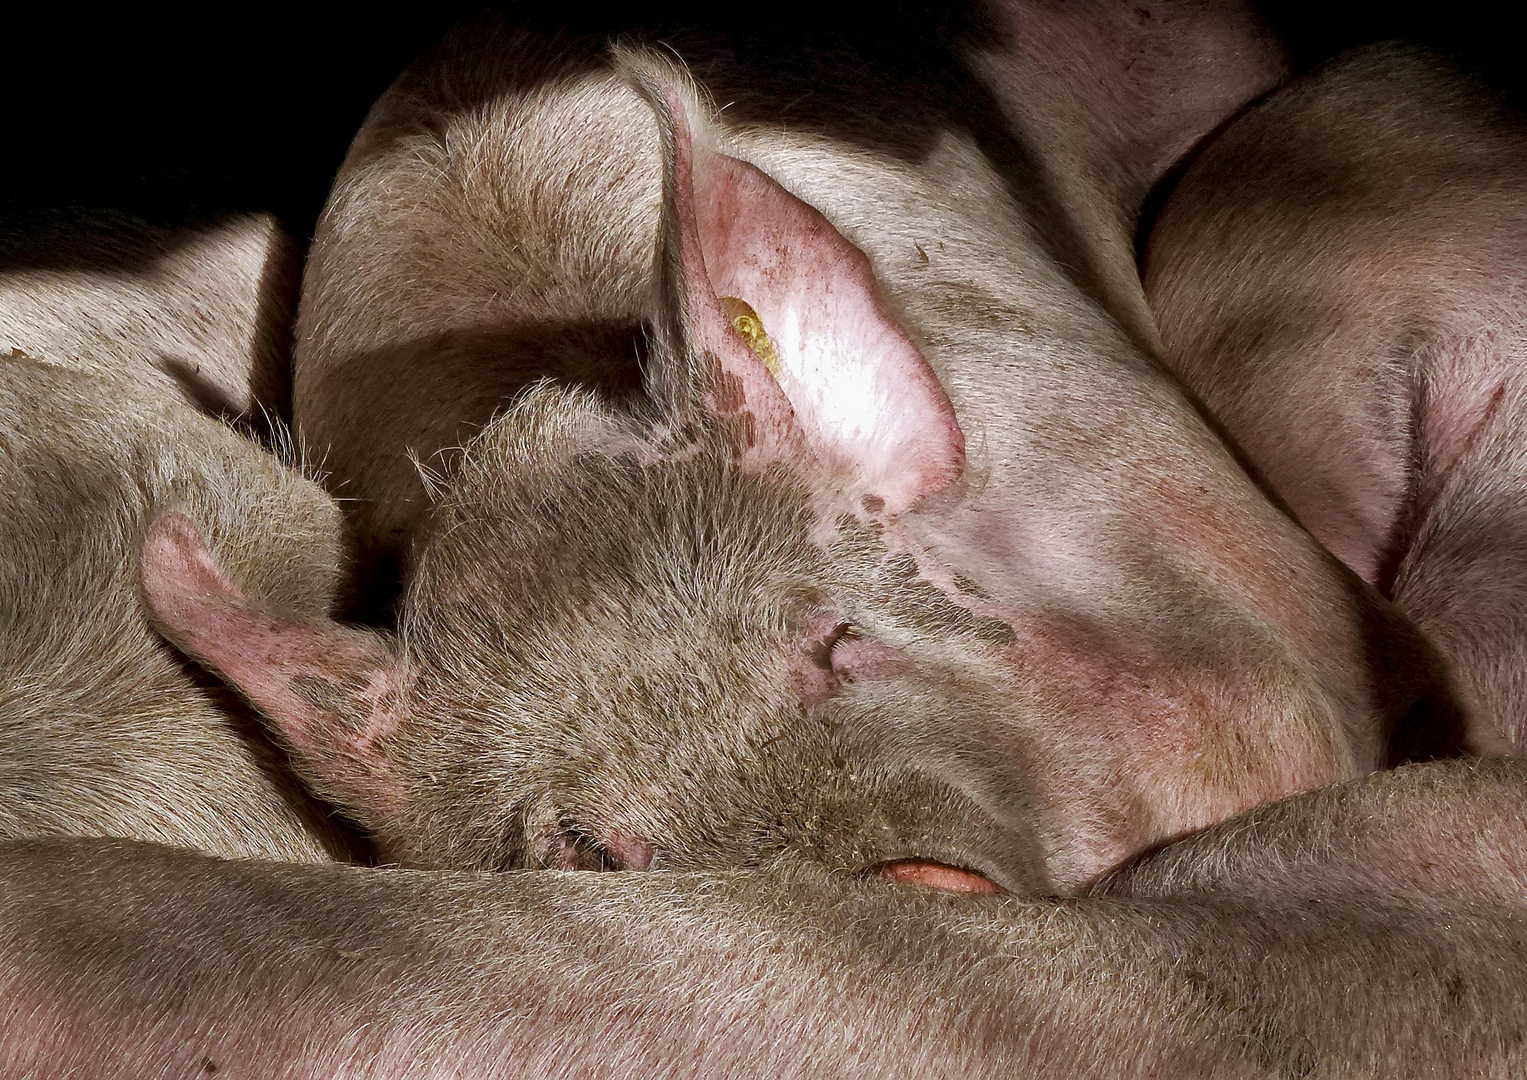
208, 1065
873, 504
970, 588
727, 390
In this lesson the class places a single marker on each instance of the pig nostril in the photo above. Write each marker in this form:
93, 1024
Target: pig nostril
934, 875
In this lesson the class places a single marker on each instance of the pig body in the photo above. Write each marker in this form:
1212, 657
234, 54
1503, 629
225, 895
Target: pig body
1340, 278
1449, 831
122, 960
202, 314
104, 730
851, 526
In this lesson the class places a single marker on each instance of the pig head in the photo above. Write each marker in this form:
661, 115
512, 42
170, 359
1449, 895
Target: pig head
850, 528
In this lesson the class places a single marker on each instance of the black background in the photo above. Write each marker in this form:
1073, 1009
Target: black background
177, 119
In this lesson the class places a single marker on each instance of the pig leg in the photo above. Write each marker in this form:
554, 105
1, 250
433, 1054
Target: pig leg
121, 960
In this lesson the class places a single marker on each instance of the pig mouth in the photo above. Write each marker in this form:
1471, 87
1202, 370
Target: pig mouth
941, 877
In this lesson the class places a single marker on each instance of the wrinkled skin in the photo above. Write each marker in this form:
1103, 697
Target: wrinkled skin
121, 960
104, 729
1340, 278
913, 557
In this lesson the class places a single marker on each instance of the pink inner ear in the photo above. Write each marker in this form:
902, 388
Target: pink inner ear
853, 383
330, 691
861, 390
706, 325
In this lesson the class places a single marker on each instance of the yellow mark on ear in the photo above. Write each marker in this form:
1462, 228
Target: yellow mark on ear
747, 324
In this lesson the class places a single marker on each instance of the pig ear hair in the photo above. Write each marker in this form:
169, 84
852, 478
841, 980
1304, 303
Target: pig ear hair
329, 691
758, 286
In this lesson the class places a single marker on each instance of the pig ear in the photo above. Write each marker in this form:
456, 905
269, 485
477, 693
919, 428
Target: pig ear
788, 307
329, 691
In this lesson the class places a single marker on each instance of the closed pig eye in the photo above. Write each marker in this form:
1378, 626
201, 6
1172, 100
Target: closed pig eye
574, 849
571, 846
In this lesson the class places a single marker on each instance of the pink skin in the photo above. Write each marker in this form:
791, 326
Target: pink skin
830, 330
742, 235
187, 591
932, 875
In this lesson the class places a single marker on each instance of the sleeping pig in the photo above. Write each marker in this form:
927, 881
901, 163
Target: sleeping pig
794, 480
1341, 278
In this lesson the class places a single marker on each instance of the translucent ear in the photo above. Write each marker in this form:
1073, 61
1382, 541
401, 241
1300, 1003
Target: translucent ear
330, 692
762, 282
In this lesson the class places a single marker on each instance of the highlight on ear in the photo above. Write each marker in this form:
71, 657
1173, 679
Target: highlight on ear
790, 308
330, 692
